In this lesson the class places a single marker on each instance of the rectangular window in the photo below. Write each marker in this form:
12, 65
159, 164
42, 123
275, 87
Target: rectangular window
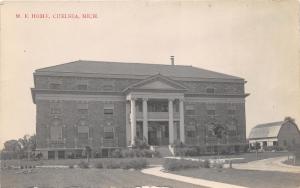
211, 109
55, 107
56, 133
191, 131
108, 109
82, 87
190, 109
54, 86
211, 112
83, 111
108, 133
231, 112
210, 90
55, 110
83, 133
83, 136
61, 154
51, 154
83, 108
107, 87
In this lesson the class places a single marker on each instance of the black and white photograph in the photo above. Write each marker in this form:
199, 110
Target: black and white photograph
150, 94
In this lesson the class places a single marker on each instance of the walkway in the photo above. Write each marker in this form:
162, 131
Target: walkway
157, 171
271, 164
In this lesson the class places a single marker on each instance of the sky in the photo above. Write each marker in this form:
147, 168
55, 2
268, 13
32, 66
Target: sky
256, 40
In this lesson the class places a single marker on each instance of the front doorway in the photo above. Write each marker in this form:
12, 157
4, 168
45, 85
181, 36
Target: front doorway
158, 133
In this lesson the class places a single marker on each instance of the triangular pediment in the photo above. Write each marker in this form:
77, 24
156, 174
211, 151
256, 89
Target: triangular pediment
157, 82
157, 85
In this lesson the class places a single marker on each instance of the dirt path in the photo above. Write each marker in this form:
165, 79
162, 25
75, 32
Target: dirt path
271, 164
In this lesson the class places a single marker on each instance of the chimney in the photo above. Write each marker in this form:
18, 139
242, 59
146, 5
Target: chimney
172, 60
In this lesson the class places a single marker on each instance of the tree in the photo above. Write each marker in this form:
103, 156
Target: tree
219, 132
21, 146
12, 146
289, 119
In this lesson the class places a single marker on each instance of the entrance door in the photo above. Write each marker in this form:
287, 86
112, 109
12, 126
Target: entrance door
152, 135
158, 133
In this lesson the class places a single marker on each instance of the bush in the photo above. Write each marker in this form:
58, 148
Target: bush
83, 164
112, 164
175, 164
139, 153
186, 151
205, 164
99, 165
117, 153
134, 163
140, 143
71, 166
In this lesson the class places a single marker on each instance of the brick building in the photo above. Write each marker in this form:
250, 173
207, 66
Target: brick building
105, 105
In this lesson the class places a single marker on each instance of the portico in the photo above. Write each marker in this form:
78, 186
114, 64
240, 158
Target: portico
158, 110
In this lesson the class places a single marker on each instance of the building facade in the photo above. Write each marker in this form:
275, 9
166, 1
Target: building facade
283, 134
107, 105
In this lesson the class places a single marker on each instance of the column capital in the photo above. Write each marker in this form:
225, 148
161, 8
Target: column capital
181, 99
171, 99
133, 98
145, 98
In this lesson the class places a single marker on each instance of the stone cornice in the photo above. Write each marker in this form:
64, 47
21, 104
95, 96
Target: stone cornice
216, 95
35, 91
124, 76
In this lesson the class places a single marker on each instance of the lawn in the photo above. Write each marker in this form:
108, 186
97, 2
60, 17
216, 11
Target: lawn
248, 178
67, 162
248, 157
83, 178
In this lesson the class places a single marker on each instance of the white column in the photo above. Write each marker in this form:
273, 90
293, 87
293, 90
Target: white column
128, 126
145, 119
132, 120
181, 124
171, 122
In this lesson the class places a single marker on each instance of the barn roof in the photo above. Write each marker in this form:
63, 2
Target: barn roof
117, 68
268, 130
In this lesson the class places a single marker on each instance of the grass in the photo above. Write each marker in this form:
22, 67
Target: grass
84, 178
248, 178
72, 162
248, 157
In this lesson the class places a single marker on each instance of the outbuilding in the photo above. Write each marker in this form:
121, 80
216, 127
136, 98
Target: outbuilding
283, 134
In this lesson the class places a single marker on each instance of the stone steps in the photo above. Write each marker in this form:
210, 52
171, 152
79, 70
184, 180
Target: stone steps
163, 150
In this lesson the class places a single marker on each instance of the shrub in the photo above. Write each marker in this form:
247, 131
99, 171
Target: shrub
83, 164
139, 153
99, 165
205, 163
186, 151
140, 143
137, 163
117, 153
175, 164
71, 166
112, 164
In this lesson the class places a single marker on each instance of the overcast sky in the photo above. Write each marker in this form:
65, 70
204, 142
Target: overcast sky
256, 40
